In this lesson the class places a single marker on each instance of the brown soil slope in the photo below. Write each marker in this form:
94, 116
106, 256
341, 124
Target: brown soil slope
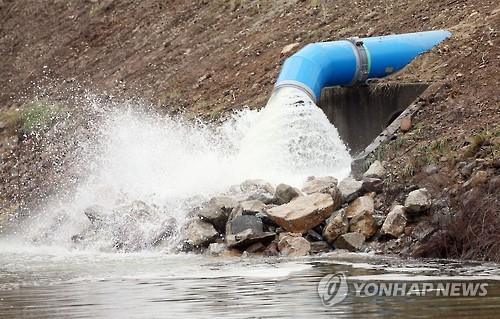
207, 57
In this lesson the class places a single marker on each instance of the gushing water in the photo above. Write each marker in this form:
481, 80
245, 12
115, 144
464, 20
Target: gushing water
150, 171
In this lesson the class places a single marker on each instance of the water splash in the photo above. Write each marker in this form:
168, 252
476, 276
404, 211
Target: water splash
163, 167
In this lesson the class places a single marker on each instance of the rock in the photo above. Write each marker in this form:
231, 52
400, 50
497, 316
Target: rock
405, 124
250, 207
359, 206
254, 189
216, 249
364, 223
95, 214
254, 248
288, 48
200, 233
244, 222
395, 222
478, 178
336, 225
319, 247
372, 184
375, 170
251, 185
418, 201
467, 169
271, 249
285, 193
319, 185
248, 237
217, 211
430, 169
293, 246
350, 189
312, 235
350, 241
166, 231
494, 184
303, 213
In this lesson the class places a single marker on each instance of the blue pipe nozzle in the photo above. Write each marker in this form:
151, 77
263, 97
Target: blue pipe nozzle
353, 61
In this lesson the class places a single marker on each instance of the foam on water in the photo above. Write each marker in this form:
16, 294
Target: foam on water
173, 165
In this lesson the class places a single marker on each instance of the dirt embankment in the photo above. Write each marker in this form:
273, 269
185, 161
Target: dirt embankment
208, 57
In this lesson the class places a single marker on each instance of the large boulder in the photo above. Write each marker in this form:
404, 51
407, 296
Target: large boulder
350, 189
376, 169
359, 206
350, 241
217, 210
418, 201
285, 193
319, 185
200, 233
303, 213
294, 246
336, 225
364, 223
395, 222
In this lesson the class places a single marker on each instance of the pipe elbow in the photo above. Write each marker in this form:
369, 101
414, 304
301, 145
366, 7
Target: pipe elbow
352, 61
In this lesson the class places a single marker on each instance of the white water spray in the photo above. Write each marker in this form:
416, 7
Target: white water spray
173, 166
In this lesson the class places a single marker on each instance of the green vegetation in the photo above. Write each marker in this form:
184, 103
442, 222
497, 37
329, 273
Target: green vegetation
38, 116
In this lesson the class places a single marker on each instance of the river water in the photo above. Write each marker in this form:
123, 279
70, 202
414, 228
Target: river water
37, 284
171, 166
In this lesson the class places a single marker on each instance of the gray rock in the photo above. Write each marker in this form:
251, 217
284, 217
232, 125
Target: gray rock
285, 193
430, 169
252, 185
95, 214
319, 185
418, 201
350, 189
216, 249
319, 247
302, 213
312, 235
294, 246
467, 169
200, 233
250, 207
244, 222
372, 184
359, 206
376, 169
248, 237
336, 225
217, 211
350, 241
395, 222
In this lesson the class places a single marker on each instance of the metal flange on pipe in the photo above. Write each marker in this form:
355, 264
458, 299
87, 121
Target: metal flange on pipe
353, 61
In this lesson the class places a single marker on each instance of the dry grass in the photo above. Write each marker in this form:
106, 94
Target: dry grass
472, 234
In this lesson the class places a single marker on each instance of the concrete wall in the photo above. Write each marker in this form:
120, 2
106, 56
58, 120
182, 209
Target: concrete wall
362, 113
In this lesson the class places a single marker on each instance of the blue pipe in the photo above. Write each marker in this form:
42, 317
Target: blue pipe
353, 61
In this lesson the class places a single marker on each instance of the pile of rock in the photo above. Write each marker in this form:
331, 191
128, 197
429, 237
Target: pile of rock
286, 221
